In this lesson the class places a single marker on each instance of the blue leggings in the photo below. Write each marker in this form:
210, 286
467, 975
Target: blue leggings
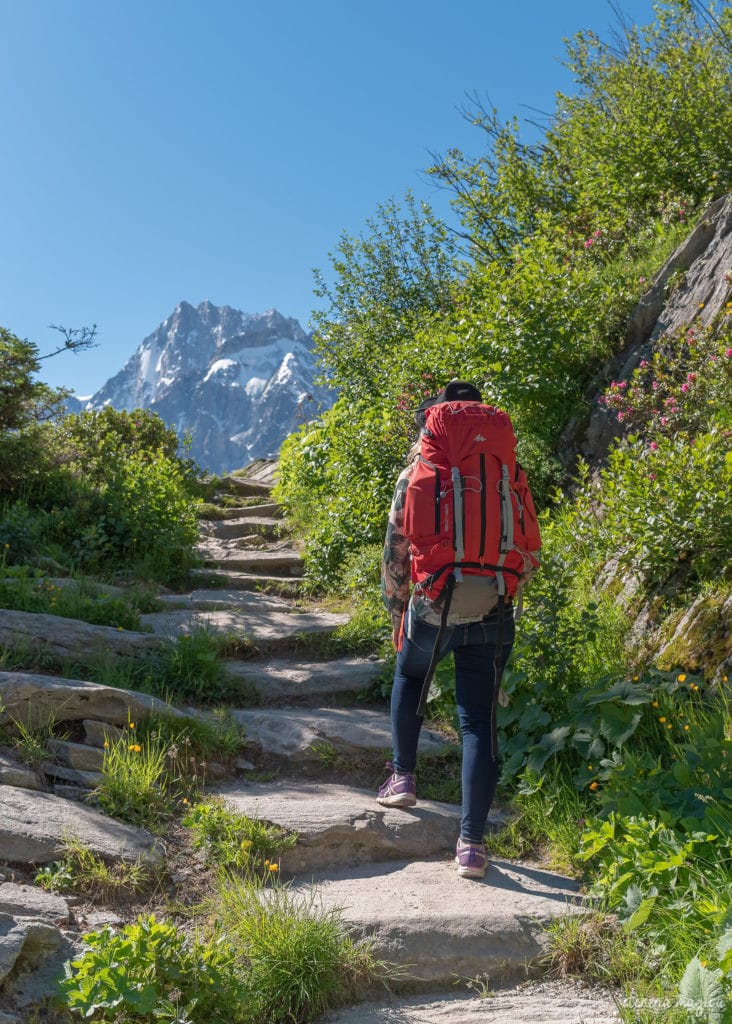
474, 647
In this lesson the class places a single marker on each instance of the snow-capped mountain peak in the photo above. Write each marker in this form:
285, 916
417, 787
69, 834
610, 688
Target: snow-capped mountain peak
236, 382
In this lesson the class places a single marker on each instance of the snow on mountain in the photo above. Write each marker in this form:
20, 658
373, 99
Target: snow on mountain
237, 383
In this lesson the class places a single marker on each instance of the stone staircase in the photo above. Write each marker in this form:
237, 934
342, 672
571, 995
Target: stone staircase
390, 872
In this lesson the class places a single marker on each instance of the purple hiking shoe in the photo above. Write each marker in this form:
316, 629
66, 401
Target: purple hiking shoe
399, 790
471, 859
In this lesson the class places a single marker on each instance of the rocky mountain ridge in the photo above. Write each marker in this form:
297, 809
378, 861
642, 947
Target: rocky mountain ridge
236, 383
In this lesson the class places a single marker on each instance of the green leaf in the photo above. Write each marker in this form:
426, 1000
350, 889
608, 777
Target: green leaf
701, 993
617, 724
641, 915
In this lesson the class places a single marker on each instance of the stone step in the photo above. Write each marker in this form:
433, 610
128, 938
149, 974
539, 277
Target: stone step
283, 585
269, 510
215, 599
338, 825
310, 734
536, 1002
247, 487
280, 679
264, 625
261, 469
227, 555
260, 527
439, 927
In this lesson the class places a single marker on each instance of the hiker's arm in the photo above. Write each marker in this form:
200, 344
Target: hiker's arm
395, 569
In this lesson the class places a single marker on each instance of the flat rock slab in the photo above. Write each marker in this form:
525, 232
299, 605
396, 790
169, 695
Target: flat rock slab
234, 580
228, 555
32, 699
259, 623
270, 510
72, 637
34, 827
280, 678
242, 526
226, 597
339, 825
31, 901
440, 927
295, 733
540, 1002
247, 485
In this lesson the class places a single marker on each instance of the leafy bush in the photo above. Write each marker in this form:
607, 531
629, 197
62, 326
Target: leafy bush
150, 970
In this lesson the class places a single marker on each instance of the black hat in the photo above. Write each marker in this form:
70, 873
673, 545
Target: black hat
456, 391
461, 391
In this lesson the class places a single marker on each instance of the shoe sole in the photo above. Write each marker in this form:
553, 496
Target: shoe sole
470, 872
402, 800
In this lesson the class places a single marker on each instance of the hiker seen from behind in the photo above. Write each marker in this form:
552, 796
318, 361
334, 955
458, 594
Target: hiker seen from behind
462, 540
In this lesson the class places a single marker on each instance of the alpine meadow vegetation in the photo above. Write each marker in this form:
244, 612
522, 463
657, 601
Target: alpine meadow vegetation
616, 738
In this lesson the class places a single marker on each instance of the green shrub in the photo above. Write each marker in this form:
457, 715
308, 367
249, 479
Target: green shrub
150, 970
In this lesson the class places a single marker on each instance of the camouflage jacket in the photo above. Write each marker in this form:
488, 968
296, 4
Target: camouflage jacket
396, 572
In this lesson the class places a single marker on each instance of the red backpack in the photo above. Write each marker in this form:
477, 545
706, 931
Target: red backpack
468, 511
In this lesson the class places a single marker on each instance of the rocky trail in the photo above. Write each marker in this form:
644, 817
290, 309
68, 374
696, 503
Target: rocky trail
389, 871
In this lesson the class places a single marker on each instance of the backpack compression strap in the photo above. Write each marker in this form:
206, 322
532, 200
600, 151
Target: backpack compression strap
449, 587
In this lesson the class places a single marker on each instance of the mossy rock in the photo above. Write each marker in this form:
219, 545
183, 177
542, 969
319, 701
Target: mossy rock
699, 637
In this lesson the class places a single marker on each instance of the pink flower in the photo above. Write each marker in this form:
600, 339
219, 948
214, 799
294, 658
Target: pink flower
654, 385
620, 417
684, 387
644, 363
641, 280
653, 446
728, 352
691, 376
622, 384
664, 421
651, 476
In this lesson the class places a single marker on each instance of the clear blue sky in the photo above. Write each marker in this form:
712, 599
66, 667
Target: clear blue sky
159, 150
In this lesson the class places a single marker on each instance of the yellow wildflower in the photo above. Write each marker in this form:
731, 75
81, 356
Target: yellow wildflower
669, 726
681, 678
589, 767
662, 718
654, 704
106, 744
636, 678
686, 728
131, 725
594, 785
274, 867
